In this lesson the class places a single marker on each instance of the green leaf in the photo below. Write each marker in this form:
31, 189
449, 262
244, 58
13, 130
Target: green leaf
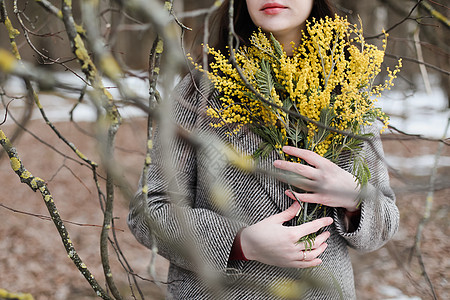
327, 115
270, 136
361, 170
264, 78
263, 150
287, 103
276, 46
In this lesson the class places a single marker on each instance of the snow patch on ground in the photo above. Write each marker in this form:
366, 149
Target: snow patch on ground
393, 293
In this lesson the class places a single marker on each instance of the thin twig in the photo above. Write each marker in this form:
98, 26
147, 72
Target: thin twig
45, 143
206, 23
47, 218
437, 15
6, 111
445, 72
396, 24
12, 32
107, 220
412, 136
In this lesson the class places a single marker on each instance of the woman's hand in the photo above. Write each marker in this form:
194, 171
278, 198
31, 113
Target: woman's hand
269, 242
327, 183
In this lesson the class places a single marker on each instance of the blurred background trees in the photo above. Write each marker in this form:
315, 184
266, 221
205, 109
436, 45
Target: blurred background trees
412, 24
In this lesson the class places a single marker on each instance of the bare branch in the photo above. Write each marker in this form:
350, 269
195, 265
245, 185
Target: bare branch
445, 72
36, 183
437, 15
408, 17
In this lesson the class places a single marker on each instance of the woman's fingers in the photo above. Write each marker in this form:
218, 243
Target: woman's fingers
306, 264
310, 157
343, 197
297, 168
297, 181
285, 215
321, 239
269, 242
310, 198
303, 176
297, 232
308, 259
302, 258
318, 241
308, 255
312, 226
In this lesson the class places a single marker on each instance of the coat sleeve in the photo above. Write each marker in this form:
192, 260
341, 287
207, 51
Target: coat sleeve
189, 236
379, 214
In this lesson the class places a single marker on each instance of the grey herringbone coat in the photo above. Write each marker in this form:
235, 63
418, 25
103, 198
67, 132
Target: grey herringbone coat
192, 214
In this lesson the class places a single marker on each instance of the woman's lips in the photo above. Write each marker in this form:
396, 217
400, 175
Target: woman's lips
272, 8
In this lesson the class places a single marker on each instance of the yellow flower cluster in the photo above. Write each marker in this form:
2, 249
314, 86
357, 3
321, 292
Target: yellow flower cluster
328, 80
237, 106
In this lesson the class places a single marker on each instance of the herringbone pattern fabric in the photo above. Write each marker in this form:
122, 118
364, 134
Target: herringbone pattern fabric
194, 228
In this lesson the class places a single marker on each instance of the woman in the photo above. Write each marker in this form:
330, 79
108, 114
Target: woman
247, 251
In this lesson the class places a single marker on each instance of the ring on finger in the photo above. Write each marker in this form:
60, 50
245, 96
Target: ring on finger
304, 255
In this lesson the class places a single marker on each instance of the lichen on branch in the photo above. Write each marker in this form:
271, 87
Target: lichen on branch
36, 183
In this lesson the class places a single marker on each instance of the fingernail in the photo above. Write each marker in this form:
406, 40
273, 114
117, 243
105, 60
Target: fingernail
276, 163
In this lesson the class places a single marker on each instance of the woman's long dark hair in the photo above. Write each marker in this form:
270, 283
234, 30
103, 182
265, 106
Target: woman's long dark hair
243, 25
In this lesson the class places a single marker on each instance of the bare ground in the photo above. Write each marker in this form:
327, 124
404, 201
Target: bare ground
33, 260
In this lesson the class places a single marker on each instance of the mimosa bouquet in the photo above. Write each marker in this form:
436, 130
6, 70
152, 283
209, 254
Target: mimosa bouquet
317, 99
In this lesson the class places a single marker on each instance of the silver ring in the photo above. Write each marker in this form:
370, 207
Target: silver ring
304, 255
